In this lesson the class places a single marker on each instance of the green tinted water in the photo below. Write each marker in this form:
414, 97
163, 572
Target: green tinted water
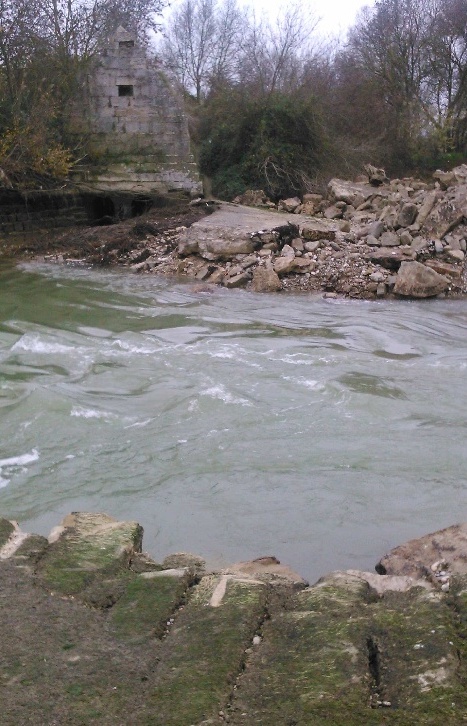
233, 425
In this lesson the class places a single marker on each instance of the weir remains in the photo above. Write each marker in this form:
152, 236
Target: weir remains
95, 631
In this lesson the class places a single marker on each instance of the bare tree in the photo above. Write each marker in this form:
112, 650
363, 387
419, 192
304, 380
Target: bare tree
273, 55
201, 42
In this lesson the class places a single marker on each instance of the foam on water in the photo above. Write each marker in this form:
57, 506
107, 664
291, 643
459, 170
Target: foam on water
34, 344
221, 393
13, 464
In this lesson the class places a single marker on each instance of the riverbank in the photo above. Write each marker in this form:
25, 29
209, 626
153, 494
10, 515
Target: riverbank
95, 631
399, 238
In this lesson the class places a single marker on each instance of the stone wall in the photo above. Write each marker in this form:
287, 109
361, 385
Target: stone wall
136, 127
24, 212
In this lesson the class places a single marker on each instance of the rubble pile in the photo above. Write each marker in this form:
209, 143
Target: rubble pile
369, 238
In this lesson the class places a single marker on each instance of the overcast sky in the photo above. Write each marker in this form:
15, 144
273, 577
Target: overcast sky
336, 15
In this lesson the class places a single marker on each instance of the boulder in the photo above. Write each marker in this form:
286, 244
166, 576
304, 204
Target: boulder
289, 205
334, 212
389, 239
375, 229
448, 213
417, 557
426, 207
225, 249
265, 280
267, 569
252, 198
407, 215
444, 268
239, 280
376, 176
456, 255
388, 257
315, 232
417, 280
284, 265
187, 246
349, 192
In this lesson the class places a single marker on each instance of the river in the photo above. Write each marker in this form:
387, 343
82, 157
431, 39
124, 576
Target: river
231, 424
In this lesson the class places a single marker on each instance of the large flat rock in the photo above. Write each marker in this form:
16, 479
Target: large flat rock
228, 231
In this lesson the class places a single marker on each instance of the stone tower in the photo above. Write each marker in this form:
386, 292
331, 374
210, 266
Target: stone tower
138, 129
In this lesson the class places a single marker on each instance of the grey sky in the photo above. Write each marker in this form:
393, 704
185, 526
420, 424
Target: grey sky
336, 15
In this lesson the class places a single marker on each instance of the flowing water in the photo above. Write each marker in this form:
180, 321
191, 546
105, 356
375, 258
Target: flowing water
231, 424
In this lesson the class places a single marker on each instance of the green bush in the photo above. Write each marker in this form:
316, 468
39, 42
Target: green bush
274, 143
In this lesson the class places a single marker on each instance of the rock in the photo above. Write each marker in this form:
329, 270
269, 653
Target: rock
388, 257
287, 251
312, 246
265, 280
267, 569
314, 233
372, 241
181, 560
217, 276
7, 528
289, 205
407, 215
375, 229
239, 280
348, 192
187, 246
224, 249
302, 264
284, 265
333, 212
381, 290
415, 558
376, 176
444, 268
249, 261
389, 239
426, 207
311, 203
405, 238
297, 244
457, 255
204, 272
439, 247
86, 547
419, 244
417, 280
445, 178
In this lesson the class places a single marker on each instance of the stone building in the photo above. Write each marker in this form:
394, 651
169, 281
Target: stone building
137, 131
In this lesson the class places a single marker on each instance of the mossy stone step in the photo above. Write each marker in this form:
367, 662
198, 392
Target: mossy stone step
6, 530
88, 547
148, 602
312, 664
205, 651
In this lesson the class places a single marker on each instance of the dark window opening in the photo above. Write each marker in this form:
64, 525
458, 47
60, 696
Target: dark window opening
125, 90
126, 43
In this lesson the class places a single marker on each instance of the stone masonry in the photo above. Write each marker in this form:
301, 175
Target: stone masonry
136, 129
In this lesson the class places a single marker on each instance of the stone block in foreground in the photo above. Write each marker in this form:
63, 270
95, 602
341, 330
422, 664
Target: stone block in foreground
93, 631
87, 547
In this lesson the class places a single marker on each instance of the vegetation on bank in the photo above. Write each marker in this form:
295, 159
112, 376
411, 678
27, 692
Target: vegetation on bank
272, 105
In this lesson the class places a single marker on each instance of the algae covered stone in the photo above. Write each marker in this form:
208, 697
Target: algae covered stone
87, 546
